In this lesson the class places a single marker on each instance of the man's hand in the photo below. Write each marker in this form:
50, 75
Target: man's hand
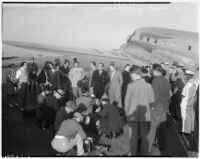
98, 109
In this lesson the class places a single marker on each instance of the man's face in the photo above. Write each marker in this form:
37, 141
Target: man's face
100, 67
76, 64
154, 73
91, 65
25, 65
51, 66
127, 68
112, 68
166, 67
31, 61
133, 76
66, 64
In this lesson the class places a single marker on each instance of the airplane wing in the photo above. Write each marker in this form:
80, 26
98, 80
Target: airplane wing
68, 50
10, 57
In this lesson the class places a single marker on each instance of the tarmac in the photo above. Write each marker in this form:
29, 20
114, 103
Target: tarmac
22, 138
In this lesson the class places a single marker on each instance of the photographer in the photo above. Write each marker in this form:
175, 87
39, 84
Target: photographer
109, 118
70, 134
64, 113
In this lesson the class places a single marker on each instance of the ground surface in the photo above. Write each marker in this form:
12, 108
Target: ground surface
21, 137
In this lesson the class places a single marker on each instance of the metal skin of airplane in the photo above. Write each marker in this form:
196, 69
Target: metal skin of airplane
144, 46
164, 45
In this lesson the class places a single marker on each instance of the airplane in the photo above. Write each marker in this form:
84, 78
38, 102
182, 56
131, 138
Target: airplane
164, 45
144, 46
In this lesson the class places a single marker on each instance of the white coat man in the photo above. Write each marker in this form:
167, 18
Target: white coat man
76, 74
22, 77
115, 85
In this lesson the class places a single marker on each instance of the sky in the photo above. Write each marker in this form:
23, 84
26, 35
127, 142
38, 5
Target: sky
100, 26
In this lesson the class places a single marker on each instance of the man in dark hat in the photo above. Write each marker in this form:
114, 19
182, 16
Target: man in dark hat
178, 78
109, 117
32, 75
64, 113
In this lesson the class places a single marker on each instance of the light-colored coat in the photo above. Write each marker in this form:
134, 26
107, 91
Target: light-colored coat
75, 75
137, 102
115, 86
187, 104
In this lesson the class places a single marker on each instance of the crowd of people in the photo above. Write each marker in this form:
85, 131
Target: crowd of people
103, 102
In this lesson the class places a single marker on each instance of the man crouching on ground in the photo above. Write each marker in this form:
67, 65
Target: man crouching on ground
70, 134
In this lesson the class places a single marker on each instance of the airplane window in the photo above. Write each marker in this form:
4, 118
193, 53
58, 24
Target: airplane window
189, 47
173, 44
164, 43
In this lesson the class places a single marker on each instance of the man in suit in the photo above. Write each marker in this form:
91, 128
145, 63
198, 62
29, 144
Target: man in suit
138, 99
126, 80
32, 69
161, 88
115, 85
54, 76
99, 81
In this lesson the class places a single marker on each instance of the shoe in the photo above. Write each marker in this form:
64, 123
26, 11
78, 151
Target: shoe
84, 154
10, 105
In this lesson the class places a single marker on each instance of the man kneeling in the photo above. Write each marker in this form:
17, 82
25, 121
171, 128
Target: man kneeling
70, 134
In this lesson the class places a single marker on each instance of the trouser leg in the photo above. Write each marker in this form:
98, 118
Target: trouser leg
79, 92
75, 92
152, 134
34, 86
22, 95
162, 135
29, 85
118, 98
183, 116
79, 144
133, 137
144, 129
